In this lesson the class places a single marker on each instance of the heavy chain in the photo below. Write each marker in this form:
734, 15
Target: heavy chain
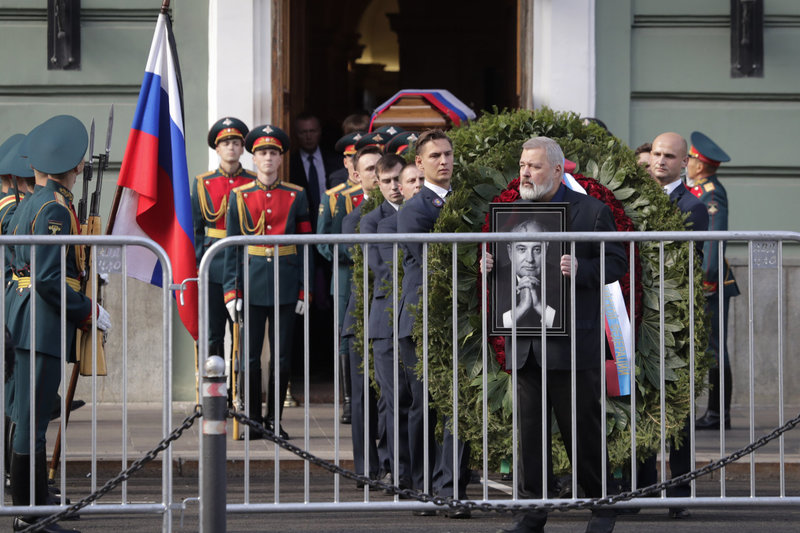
503, 508
122, 476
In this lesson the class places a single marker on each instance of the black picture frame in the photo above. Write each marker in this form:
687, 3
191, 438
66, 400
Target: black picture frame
531, 217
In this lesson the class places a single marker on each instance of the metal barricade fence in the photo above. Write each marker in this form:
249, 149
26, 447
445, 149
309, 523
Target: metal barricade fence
84, 442
493, 495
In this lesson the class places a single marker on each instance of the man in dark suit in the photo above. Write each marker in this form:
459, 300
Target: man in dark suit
434, 156
310, 166
668, 157
381, 330
541, 170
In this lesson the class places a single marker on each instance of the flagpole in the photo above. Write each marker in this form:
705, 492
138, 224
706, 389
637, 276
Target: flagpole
165, 6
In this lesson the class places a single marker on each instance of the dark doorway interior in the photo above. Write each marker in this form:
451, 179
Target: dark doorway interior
465, 46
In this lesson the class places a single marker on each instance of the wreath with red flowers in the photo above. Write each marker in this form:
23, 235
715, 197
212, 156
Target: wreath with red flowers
622, 222
486, 165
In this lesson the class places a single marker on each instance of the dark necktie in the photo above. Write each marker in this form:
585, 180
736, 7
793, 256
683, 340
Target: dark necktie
313, 180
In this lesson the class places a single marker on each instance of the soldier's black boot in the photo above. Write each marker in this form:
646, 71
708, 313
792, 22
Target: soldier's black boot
20, 490
9, 438
344, 364
710, 420
269, 418
255, 402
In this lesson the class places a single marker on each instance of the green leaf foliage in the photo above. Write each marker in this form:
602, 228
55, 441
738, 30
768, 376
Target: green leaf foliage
486, 160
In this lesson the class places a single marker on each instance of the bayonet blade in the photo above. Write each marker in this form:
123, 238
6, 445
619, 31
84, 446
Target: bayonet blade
91, 145
109, 130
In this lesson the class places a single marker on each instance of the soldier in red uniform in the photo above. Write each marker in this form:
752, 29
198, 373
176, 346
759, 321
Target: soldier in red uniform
210, 193
267, 206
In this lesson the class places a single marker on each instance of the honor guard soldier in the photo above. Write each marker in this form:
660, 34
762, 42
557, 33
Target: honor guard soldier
267, 206
704, 159
210, 193
347, 147
55, 150
401, 143
5, 179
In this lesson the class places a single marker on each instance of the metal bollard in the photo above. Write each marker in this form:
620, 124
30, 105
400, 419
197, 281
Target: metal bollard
213, 477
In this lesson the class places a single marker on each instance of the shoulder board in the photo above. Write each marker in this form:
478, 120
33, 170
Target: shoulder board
244, 187
8, 200
291, 186
61, 200
334, 190
708, 187
206, 174
352, 190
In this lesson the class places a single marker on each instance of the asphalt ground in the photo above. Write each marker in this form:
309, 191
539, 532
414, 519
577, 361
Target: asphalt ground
141, 488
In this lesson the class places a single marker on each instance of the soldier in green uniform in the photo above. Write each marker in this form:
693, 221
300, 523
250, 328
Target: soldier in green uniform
15, 170
267, 206
210, 192
704, 159
57, 151
347, 147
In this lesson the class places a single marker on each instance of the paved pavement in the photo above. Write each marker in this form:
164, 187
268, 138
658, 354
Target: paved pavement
319, 422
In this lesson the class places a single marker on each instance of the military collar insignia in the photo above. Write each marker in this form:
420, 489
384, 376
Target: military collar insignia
63, 191
227, 122
265, 187
226, 175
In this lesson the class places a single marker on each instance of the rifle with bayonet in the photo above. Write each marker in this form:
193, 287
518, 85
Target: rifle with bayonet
90, 225
237, 369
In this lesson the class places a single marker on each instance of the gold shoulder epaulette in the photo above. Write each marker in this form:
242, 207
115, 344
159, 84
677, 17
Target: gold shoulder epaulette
334, 190
292, 185
708, 187
351, 190
244, 187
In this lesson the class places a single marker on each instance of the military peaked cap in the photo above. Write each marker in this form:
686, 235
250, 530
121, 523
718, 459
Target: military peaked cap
267, 136
707, 150
226, 128
57, 145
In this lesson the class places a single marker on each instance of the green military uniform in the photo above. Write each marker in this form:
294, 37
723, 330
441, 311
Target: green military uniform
259, 209
711, 192
210, 192
55, 149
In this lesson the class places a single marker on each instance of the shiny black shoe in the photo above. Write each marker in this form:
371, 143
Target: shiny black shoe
21, 523
679, 513
458, 514
710, 420
528, 523
269, 424
346, 411
602, 522
424, 512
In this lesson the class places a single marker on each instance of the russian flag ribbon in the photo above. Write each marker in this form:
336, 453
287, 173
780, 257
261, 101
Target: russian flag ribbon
618, 327
154, 179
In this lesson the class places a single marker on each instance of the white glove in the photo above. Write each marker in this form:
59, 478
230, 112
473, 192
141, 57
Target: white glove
103, 277
300, 308
103, 319
234, 306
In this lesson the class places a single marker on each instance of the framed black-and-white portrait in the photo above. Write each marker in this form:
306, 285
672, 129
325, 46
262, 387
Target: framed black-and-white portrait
520, 267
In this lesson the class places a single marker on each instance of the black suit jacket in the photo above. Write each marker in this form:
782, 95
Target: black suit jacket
418, 215
380, 316
349, 224
297, 175
585, 214
698, 213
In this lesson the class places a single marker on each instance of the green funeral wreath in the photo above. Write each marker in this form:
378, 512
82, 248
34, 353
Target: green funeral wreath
486, 162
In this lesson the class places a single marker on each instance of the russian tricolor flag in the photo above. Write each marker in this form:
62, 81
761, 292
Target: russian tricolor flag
153, 185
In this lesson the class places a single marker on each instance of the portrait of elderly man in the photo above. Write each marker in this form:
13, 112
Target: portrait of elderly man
527, 259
